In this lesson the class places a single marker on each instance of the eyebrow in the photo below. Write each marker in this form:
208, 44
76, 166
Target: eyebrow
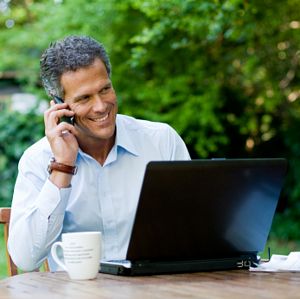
108, 84
79, 97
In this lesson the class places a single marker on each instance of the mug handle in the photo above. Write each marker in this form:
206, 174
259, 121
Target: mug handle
55, 256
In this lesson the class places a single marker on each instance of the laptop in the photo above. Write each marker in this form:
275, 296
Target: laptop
202, 215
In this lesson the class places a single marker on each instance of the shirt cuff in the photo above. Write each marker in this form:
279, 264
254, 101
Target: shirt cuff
53, 199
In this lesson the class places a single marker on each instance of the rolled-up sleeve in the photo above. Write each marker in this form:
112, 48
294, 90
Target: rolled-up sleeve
37, 216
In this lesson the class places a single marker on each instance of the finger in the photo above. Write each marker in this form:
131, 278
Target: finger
60, 130
58, 105
54, 107
64, 127
52, 117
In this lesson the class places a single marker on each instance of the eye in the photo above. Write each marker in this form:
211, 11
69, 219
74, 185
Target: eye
84, 98
105, 89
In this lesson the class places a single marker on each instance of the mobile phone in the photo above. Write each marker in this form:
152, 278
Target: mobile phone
66, 119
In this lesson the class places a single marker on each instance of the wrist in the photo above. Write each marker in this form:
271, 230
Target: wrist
64, 161
61, 167
61, 179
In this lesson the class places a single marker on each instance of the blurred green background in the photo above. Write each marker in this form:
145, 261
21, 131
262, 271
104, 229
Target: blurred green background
224, 74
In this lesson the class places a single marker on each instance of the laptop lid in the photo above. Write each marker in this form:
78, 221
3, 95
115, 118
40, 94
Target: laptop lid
205, 209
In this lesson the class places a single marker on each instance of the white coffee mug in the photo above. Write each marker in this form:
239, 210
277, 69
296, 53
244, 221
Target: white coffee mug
81, 253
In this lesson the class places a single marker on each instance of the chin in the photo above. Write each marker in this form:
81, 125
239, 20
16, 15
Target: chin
104, 134
96, 132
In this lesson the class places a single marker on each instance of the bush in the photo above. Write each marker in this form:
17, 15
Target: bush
17, 132
224, 74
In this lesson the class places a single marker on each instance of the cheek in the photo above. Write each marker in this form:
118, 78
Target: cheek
113, 97
79, 109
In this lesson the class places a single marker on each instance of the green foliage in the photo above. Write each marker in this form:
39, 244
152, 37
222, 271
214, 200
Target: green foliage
223, 73
3, 265
17, 132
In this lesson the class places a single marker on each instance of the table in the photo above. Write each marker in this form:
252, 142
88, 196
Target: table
220, 284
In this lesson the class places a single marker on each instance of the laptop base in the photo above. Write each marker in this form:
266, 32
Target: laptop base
168, 267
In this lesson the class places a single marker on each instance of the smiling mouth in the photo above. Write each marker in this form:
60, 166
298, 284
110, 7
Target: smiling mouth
100, 119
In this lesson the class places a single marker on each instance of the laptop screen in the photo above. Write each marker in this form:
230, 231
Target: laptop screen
202, 209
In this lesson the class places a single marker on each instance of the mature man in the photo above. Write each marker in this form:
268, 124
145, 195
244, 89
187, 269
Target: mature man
84, 176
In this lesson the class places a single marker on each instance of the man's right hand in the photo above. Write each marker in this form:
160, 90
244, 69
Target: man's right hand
63, 143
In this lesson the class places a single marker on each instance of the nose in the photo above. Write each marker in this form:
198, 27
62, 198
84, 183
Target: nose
99, 104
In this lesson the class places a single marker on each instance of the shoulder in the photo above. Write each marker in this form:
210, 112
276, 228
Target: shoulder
151, 137
143, 126
37, 153
39, 147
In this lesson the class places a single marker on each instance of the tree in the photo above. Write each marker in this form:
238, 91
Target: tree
223, 73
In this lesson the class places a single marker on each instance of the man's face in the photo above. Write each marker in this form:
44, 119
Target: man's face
90, 94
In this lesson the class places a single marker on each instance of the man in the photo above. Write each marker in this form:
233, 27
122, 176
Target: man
84, 176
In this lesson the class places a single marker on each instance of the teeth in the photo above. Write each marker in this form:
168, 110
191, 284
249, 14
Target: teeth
101, 119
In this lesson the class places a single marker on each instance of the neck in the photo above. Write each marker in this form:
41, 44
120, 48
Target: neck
98, 149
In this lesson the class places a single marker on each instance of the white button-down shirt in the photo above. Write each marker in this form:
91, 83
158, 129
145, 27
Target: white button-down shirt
101, 198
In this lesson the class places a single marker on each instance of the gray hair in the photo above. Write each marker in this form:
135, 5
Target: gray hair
69, 54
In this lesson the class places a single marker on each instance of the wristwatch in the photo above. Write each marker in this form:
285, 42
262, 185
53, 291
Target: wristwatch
53, 165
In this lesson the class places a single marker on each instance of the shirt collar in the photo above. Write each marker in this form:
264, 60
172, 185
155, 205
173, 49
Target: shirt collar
123, 138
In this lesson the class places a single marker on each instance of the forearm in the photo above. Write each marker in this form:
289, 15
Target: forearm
36, 222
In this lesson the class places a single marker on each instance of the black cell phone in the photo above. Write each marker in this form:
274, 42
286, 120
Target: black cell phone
66, 119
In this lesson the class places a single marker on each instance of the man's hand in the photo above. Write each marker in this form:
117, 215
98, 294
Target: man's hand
61, 136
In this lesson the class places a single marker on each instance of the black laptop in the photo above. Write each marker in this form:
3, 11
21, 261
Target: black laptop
202, 215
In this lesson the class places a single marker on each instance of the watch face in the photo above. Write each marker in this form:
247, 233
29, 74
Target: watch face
75, 170
49, 168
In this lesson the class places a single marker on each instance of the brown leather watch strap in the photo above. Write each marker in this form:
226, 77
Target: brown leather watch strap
53, 165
